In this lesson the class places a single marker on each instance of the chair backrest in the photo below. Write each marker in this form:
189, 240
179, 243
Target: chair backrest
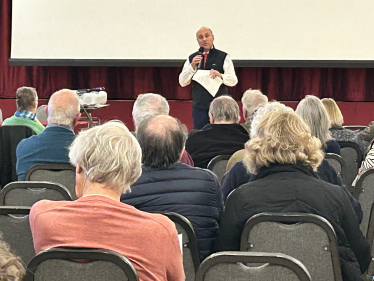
40, 113
15, 227
308, 238
187, 238
352, 156
218, 165
243, 266
10, 136
337, 162
364, 192
27, 193
370, 239
355, 127
60, 173
60, 264
236, 157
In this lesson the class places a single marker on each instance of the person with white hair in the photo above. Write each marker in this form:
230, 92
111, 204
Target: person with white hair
27, 103
283, 157
108, 162
147, 106
251, 101
223, 136
51, 146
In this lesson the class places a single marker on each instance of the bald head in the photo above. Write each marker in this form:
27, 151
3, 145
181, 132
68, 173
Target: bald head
64, 108
162, 139
205, 38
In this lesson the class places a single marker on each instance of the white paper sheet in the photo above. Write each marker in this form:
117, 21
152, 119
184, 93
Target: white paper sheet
210, 84
180, 238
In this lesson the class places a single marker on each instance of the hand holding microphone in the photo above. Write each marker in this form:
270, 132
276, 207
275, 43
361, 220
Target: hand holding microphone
198, 58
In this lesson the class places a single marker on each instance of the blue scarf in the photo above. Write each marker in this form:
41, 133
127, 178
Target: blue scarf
26, 114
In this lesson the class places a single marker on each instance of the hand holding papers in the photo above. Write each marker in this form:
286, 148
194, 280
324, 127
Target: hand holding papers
204, 79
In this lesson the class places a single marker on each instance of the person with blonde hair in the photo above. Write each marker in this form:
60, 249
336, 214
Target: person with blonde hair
337, 131
312, 111
11, 267
108, 161
283, 157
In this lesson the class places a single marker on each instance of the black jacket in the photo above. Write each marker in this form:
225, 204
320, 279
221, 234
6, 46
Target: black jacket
295, 188
190, 192
213, 140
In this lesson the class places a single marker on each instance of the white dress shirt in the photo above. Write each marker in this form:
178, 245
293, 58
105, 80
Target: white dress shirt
228, 76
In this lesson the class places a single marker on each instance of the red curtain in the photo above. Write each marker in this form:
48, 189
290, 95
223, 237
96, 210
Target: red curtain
285, 84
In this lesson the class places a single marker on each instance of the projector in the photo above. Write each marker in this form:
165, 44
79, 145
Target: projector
93, 96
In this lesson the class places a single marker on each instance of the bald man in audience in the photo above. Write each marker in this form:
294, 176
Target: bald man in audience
51, 146
149, 105
166, 185
223, 136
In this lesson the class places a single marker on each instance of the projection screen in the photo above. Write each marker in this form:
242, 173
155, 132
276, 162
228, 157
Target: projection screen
163, 32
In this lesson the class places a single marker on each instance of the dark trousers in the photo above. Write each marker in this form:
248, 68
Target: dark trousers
200, 118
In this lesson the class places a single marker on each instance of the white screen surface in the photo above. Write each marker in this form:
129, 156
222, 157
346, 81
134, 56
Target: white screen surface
165, 29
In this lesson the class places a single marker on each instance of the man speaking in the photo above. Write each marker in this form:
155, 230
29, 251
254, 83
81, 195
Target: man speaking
218, 66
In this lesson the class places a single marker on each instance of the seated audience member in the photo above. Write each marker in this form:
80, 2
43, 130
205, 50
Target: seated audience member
283, 157
108, 161
238, 174
314, 114
169, 186
339, 133
27, 103
367, 134
52, 145
222, 136
11, 267
149, 105
367, 164
251, 101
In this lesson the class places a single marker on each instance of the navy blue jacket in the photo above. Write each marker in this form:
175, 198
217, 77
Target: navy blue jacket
188, 191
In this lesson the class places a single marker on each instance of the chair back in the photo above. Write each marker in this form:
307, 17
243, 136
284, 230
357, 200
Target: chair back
60, 264
187, 238
308, 238
352, 156
364, 192
60, 173
40, 113
355, 127
242, 266
15, 227
370, 239
27, 193
10, 136
337, 162
218, 165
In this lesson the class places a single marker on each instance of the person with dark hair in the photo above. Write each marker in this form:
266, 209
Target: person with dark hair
166, 185
27, 103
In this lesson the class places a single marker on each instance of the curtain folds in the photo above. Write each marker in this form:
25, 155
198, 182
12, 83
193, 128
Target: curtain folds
285, 84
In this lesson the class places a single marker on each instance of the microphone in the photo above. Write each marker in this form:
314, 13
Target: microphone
201, 51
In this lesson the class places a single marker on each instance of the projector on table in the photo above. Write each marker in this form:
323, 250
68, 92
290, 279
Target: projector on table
94, 96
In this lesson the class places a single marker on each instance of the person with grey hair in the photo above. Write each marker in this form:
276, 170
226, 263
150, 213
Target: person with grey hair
223, 136
251, 101
51, 146
170, 186
108, 162
149, 105
27, 103
11, 267
314, 114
